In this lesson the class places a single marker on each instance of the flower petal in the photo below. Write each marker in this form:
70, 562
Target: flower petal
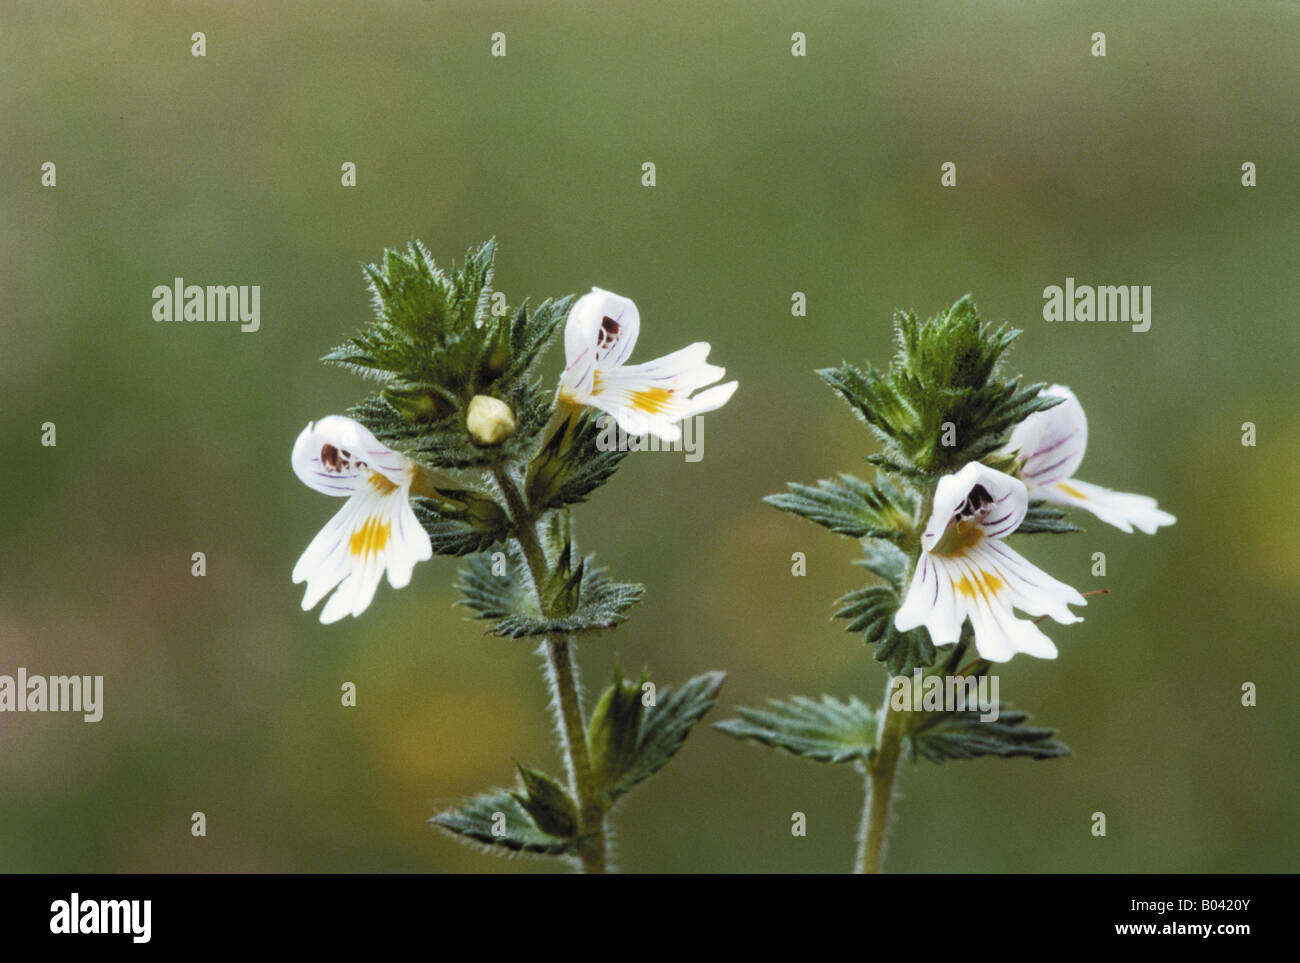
651, 398
987, 594
600, 333
930, 601
1121, 509
989, 502
339, 456
1051, 443
1024, 585
374, 531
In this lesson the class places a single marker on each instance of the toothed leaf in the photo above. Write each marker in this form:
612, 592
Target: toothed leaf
825, 730
497, 818
577, 599
661, 729
851, 507
1042, 517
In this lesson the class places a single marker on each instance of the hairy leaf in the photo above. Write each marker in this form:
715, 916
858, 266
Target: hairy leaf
825, 730
498, 818
577, 598
963, 735
941, 403
1043, 517
634, 741
552, 808
435, 343
464, 522
871, 611
576, 460
851, 507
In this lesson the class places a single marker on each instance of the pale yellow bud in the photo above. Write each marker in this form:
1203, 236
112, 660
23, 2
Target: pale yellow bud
489, 420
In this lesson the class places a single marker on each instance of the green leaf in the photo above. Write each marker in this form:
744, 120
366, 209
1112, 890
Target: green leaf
461, 522
825, 731
548, 802
941, 403
445, 442
578, 599
517, 350
430, 327
655, 733
871, 611
886, 561
576, 460
614, 730
1042, 517
498, 818
434, 344
963, 735
851, 507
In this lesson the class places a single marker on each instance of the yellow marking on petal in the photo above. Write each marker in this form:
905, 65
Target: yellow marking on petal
652, 401
370, 538
381, 484
595, 382
969, 587
1072, 492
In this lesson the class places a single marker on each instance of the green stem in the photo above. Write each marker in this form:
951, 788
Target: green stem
562, 676
883, 767
880, 789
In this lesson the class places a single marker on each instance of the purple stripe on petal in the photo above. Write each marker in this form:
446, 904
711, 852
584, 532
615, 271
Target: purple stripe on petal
1052, 447
1039, 472
1023, 569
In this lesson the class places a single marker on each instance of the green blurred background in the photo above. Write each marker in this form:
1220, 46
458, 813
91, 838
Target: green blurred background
775, 174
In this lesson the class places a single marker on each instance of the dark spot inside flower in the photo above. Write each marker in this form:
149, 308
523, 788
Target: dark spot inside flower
608, 334
333, 459
978, 499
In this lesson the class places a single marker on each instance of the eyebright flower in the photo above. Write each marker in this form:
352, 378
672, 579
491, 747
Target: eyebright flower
965, 571
1051, 444
649, 398
375, 530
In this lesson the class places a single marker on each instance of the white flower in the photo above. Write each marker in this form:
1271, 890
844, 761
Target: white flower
965, 571
1051, 444
375, 530
649, 398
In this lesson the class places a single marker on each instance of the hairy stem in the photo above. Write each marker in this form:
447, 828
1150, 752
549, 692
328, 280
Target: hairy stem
880, 790
882, 769
562, 676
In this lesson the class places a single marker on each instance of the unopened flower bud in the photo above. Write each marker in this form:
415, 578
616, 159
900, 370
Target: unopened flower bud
489, 420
